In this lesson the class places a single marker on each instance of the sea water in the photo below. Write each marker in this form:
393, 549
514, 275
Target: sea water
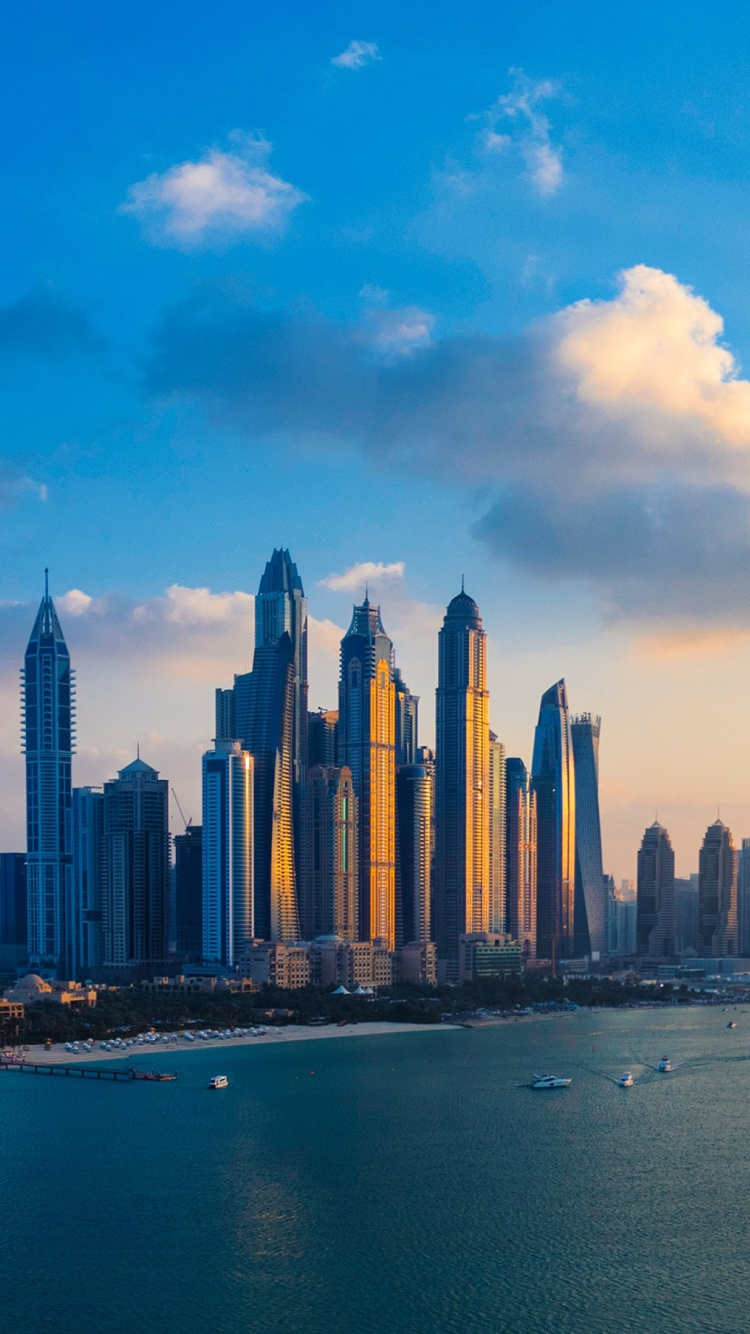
380, 1185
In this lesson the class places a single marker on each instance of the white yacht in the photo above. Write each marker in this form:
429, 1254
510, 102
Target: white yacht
664, 1066
218, 1082
549, 1082
626, 1080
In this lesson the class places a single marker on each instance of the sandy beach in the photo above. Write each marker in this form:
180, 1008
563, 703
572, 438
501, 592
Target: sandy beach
290, 1033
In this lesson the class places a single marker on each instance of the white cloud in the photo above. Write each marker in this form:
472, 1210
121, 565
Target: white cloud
223, 195
356, 55
529, 130
655, 348
201, 607
364, 572
74, 603
401, 331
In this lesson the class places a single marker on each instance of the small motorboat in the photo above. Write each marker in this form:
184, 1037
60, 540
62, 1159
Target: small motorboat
664, 1066
218, 1082
625, 1081
549, 1082
731, 1024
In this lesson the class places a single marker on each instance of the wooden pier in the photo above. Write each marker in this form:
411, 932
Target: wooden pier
85, 1071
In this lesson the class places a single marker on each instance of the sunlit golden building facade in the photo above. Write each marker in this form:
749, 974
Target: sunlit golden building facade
367, 746
462, 782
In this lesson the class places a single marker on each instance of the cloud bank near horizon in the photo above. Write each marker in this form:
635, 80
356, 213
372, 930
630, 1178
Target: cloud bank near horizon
612, 436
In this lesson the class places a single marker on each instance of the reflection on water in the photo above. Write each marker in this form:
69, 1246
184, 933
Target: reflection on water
399, 1185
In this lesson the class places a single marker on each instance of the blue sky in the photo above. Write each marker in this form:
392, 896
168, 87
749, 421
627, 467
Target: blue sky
434, 289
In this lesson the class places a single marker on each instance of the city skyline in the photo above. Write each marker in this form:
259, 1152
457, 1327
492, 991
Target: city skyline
211, 618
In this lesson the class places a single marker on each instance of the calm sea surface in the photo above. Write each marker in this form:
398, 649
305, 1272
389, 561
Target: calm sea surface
385, 1184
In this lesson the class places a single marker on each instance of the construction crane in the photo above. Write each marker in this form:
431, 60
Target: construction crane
187, 823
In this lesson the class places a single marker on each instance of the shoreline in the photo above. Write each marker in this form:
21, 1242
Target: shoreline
57, 1055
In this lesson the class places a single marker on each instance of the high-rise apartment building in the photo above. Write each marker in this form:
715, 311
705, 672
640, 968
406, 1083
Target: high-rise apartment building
86, 922
717, 894
367, 746
135, 908
462, 779
48, 743
497, 800
271, 721
414, 859
655, 921
553, 776
13, 920
590, 895
188, 892
521, 853
323, 738
686, 914
330, 897
743, 898
407, 721
227, 843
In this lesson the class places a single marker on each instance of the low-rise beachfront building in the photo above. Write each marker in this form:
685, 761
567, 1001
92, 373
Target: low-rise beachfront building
487, 954
198, 984
417, 963
275, 963
11, 1015
32, 989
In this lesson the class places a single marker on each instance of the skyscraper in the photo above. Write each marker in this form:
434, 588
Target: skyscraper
367, 718
462, 774
188, 892
497, 799
323, 738
686, 914
414, 859
135, 909
88, 880
13, 911
521, 852
330, 898
227, 841
655, 922
743, 898
717, 894
271, 722
590, 893
553, 776
48, 742
407, 721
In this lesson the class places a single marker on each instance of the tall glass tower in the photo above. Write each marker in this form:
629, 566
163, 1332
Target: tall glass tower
717, 893
553, 775
270, 717
521, 850
590, 894
48, 742
367, 746
655, 921
227, 844
462, 782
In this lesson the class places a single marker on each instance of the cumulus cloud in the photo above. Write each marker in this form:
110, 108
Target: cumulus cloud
614, 434
365, 572
356, 55
515, 123
222, 196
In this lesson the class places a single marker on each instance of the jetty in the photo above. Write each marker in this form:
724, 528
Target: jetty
86, 1071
